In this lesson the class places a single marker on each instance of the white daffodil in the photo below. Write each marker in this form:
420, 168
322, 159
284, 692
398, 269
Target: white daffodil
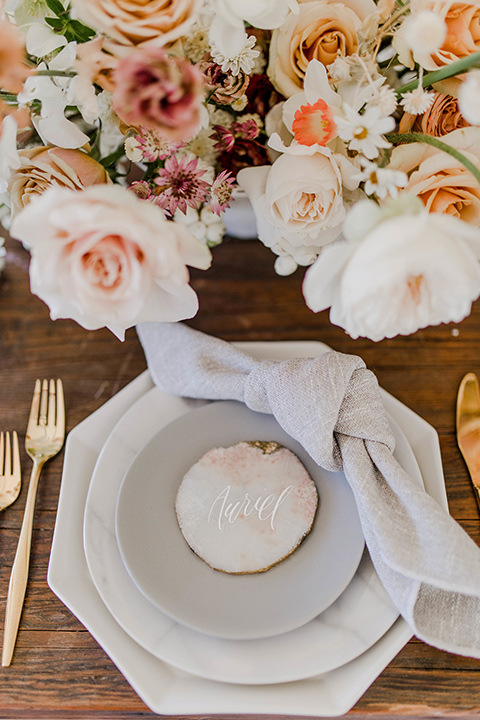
365, 133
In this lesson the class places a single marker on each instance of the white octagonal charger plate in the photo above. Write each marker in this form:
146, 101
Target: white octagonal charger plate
164, 688
360, 616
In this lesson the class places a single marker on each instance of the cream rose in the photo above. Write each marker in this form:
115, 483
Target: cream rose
43, 167
320, 30
128, 23
105, 258
404, 273
441, 182
298, 201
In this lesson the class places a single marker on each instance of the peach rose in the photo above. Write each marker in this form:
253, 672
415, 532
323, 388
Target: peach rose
105, 258
44, 167
441, 182
128, 23
319, 30
441, 118
462, 20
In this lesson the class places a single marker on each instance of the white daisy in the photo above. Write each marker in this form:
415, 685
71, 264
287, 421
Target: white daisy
381, 181
364, 133
242, 61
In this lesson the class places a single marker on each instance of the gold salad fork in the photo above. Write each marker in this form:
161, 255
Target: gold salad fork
10, 471
44, 439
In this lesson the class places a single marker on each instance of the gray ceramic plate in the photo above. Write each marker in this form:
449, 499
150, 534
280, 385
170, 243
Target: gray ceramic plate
174, 579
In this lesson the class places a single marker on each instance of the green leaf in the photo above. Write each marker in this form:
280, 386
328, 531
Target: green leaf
56, 7
412, 137
55, 23
113, 158
82, 32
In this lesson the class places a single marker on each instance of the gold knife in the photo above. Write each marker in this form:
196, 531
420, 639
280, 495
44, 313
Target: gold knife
468, 428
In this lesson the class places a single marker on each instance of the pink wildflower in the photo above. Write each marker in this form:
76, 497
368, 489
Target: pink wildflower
247, 130
153, 147
141, 188
221, 192
180, 185
225, 138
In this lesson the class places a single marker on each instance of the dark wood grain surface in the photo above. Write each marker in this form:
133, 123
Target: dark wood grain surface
58, 670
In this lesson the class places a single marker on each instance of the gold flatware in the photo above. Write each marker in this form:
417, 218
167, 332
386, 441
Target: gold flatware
468, 428
10, 469
44, 439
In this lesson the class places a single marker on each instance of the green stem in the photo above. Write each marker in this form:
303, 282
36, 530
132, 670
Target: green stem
455, 68
57, 73
8, 97
412, 137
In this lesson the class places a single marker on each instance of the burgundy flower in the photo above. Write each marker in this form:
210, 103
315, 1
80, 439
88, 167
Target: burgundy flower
159, 92
261, 95
245, 153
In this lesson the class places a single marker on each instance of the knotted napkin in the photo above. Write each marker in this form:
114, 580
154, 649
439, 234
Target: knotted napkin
332, 405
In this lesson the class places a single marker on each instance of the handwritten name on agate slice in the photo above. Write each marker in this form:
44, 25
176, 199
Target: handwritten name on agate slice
265, 507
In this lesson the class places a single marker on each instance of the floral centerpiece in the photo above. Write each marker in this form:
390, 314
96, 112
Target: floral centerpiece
128, 129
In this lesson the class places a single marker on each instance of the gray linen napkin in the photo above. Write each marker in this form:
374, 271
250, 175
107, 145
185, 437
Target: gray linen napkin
332, 406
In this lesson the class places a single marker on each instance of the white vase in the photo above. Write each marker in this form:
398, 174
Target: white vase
240, 219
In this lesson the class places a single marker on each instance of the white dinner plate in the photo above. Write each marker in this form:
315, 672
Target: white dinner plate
177, 581
164, 688
351, 625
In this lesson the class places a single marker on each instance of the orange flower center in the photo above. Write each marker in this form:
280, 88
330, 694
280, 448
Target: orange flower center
314, 124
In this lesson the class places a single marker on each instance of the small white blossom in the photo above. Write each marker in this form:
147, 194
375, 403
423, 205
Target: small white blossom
204, 225
381, 181
110, 136
340, 69
385, 99
285, 265
417, 102
197, 42
240, 104
364, 133
242, 61
133, 150
203, 146
217, 116
469, 98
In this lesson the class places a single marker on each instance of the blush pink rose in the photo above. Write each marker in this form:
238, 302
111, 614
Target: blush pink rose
156, 91
103, 257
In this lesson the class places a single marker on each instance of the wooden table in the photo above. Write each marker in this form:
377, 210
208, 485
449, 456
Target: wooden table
58, 670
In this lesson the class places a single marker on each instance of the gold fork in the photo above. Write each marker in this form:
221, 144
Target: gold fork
10, 472
44, 439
